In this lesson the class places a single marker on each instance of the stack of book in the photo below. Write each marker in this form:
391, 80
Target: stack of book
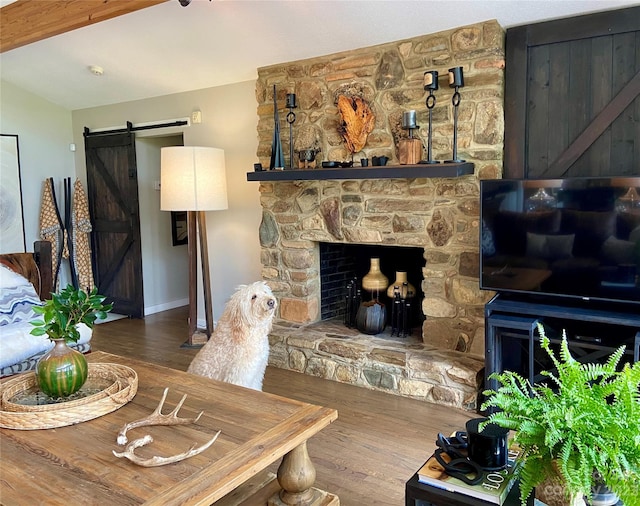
494, 487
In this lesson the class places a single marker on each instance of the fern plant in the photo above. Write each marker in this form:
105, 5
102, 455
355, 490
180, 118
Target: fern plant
584, 423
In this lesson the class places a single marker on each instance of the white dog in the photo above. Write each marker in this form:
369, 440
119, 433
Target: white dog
238, 349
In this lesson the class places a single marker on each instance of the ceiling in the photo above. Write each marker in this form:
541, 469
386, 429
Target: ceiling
167, 48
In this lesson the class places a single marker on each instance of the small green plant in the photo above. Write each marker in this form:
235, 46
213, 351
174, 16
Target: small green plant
587, 423
64, 311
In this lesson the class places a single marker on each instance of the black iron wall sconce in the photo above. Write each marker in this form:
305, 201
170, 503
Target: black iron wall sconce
456, 81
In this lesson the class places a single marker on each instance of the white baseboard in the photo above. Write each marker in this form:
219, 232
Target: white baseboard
165, 307
201, 322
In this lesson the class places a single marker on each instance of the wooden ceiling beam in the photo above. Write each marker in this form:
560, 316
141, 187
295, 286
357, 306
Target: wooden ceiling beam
25, 21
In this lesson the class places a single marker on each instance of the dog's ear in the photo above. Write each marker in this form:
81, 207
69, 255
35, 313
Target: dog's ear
237, 309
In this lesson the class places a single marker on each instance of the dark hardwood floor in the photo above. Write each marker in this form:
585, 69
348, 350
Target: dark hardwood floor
365, 456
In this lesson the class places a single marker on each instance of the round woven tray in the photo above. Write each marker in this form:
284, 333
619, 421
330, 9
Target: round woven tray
114, 385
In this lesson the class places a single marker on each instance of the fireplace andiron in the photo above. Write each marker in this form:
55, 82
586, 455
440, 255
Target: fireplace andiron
352, 303
401, 311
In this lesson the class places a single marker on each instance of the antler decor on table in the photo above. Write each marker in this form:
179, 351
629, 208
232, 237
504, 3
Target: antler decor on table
157, 418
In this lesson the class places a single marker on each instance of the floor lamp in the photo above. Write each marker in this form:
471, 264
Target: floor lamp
193, 179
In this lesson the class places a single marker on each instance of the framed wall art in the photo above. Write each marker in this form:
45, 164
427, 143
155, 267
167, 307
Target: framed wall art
12, 238
179, 233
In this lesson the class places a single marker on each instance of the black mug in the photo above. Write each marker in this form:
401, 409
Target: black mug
487, 448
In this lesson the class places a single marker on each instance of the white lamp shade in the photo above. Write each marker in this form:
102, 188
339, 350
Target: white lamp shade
192, 179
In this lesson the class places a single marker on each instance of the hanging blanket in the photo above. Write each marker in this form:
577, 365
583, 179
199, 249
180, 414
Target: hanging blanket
81, 227
51, 227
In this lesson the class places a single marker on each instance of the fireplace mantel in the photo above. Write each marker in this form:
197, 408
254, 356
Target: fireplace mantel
382, 172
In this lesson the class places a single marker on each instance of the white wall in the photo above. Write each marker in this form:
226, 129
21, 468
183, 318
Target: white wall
164, 288
229, 122
44, 137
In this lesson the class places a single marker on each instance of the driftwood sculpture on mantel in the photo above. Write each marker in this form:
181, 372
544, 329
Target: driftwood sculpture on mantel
357, 122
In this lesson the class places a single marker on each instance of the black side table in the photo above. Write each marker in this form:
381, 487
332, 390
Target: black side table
419, 494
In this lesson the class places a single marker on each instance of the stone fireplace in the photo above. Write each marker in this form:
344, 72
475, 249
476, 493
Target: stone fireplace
403, 212
443, 361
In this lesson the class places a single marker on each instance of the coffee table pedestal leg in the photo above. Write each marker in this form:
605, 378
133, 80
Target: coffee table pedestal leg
296, 476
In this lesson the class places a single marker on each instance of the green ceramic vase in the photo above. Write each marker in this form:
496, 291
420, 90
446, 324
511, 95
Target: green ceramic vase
62, 371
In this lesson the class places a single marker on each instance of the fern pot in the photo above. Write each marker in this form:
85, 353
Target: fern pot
62, 371
552, 491
601, 495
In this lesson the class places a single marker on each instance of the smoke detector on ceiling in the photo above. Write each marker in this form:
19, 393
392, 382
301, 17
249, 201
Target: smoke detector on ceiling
96, 70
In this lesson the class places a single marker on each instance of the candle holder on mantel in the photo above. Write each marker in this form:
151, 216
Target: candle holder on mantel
430, 84
409, 150
291, 119
277, 157
456, 80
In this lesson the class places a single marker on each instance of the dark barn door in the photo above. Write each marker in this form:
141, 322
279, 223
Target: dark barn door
572, 97
112, 185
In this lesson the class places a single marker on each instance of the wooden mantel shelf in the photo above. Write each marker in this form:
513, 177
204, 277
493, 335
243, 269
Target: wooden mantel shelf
382, 172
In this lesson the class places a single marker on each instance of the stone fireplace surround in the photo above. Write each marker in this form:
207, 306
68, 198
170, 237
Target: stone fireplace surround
438, 214
298, 215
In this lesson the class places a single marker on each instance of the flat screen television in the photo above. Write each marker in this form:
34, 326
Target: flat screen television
576, 238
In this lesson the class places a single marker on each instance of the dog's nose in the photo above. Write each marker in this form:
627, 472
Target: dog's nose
271, 303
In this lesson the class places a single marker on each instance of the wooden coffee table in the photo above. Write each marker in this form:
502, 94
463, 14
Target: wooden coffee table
75, 464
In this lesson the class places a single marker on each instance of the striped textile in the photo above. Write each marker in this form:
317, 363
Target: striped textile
16, 304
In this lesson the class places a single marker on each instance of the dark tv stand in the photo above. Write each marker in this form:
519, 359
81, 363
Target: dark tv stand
593, 331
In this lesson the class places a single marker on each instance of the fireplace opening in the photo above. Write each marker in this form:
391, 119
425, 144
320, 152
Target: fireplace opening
341, 263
